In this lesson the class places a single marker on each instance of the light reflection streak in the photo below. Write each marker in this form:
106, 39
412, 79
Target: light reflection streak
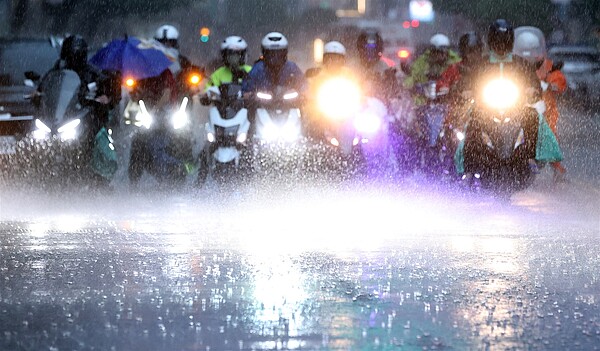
279, 293
503, 261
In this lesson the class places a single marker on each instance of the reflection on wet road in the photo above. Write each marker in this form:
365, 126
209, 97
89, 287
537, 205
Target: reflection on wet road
393, 266
378, 267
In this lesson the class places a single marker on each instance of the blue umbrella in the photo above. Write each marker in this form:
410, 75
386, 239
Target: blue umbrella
133, 57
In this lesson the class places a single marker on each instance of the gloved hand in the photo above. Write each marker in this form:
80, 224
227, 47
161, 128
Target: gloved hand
205, 100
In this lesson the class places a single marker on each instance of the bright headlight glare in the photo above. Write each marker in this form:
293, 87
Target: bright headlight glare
290, 96
39, 134
69, 126
367, 123
241, 138
338, 98
180, 119
270, 132
143, 118
501, 94
290, 133
210, 137
41, 126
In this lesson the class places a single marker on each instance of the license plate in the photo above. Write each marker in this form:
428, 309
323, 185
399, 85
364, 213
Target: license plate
8, 145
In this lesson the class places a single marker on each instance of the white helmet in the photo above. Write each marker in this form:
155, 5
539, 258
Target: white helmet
334, 47
439, 41
233, 51
274, 41
234, 43
529, 46
166, 32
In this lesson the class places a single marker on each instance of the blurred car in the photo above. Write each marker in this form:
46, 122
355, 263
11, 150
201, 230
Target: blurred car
581, 67
18, 56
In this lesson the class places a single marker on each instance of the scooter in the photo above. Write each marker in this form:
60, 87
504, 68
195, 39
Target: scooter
161, 142
278, 142
494, 145
226, 132
65, 135
346, 120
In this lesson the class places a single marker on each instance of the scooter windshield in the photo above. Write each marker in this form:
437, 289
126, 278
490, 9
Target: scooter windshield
60, 95
231, 101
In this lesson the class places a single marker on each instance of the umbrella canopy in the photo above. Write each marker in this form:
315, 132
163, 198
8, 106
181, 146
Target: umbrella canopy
133, 57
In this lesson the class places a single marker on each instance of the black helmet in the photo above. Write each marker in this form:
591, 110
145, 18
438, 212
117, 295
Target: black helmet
501, 37
74, 51
468, 43
370, 46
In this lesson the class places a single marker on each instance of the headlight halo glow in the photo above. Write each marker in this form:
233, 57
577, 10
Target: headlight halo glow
338, 98
68, 131
501, 94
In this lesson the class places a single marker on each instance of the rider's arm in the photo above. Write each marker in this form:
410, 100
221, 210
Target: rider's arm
418, 72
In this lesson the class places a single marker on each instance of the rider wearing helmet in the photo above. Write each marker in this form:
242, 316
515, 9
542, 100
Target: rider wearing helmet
532, 48
333, 65
168, 36
233, 56
431, 64
470, 47
274, 69
334, 56
379, 76
102, 88
501, 61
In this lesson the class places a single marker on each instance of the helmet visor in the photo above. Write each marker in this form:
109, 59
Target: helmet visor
233, 59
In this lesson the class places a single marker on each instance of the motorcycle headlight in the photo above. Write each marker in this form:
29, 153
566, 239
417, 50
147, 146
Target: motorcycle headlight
42, 130
210, 137
338, 98
143, 117
264, 96
69, 130
180, 119
501, 94
290, 96
241, 138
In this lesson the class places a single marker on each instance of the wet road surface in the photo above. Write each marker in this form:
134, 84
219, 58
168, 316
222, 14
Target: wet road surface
399, 265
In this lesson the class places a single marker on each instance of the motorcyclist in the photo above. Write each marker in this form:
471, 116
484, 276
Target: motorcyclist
379, 78
501, 61
470, 47
234, 68
274, 68
430, 65
334, 65
168, 36
100, 90
530, 47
